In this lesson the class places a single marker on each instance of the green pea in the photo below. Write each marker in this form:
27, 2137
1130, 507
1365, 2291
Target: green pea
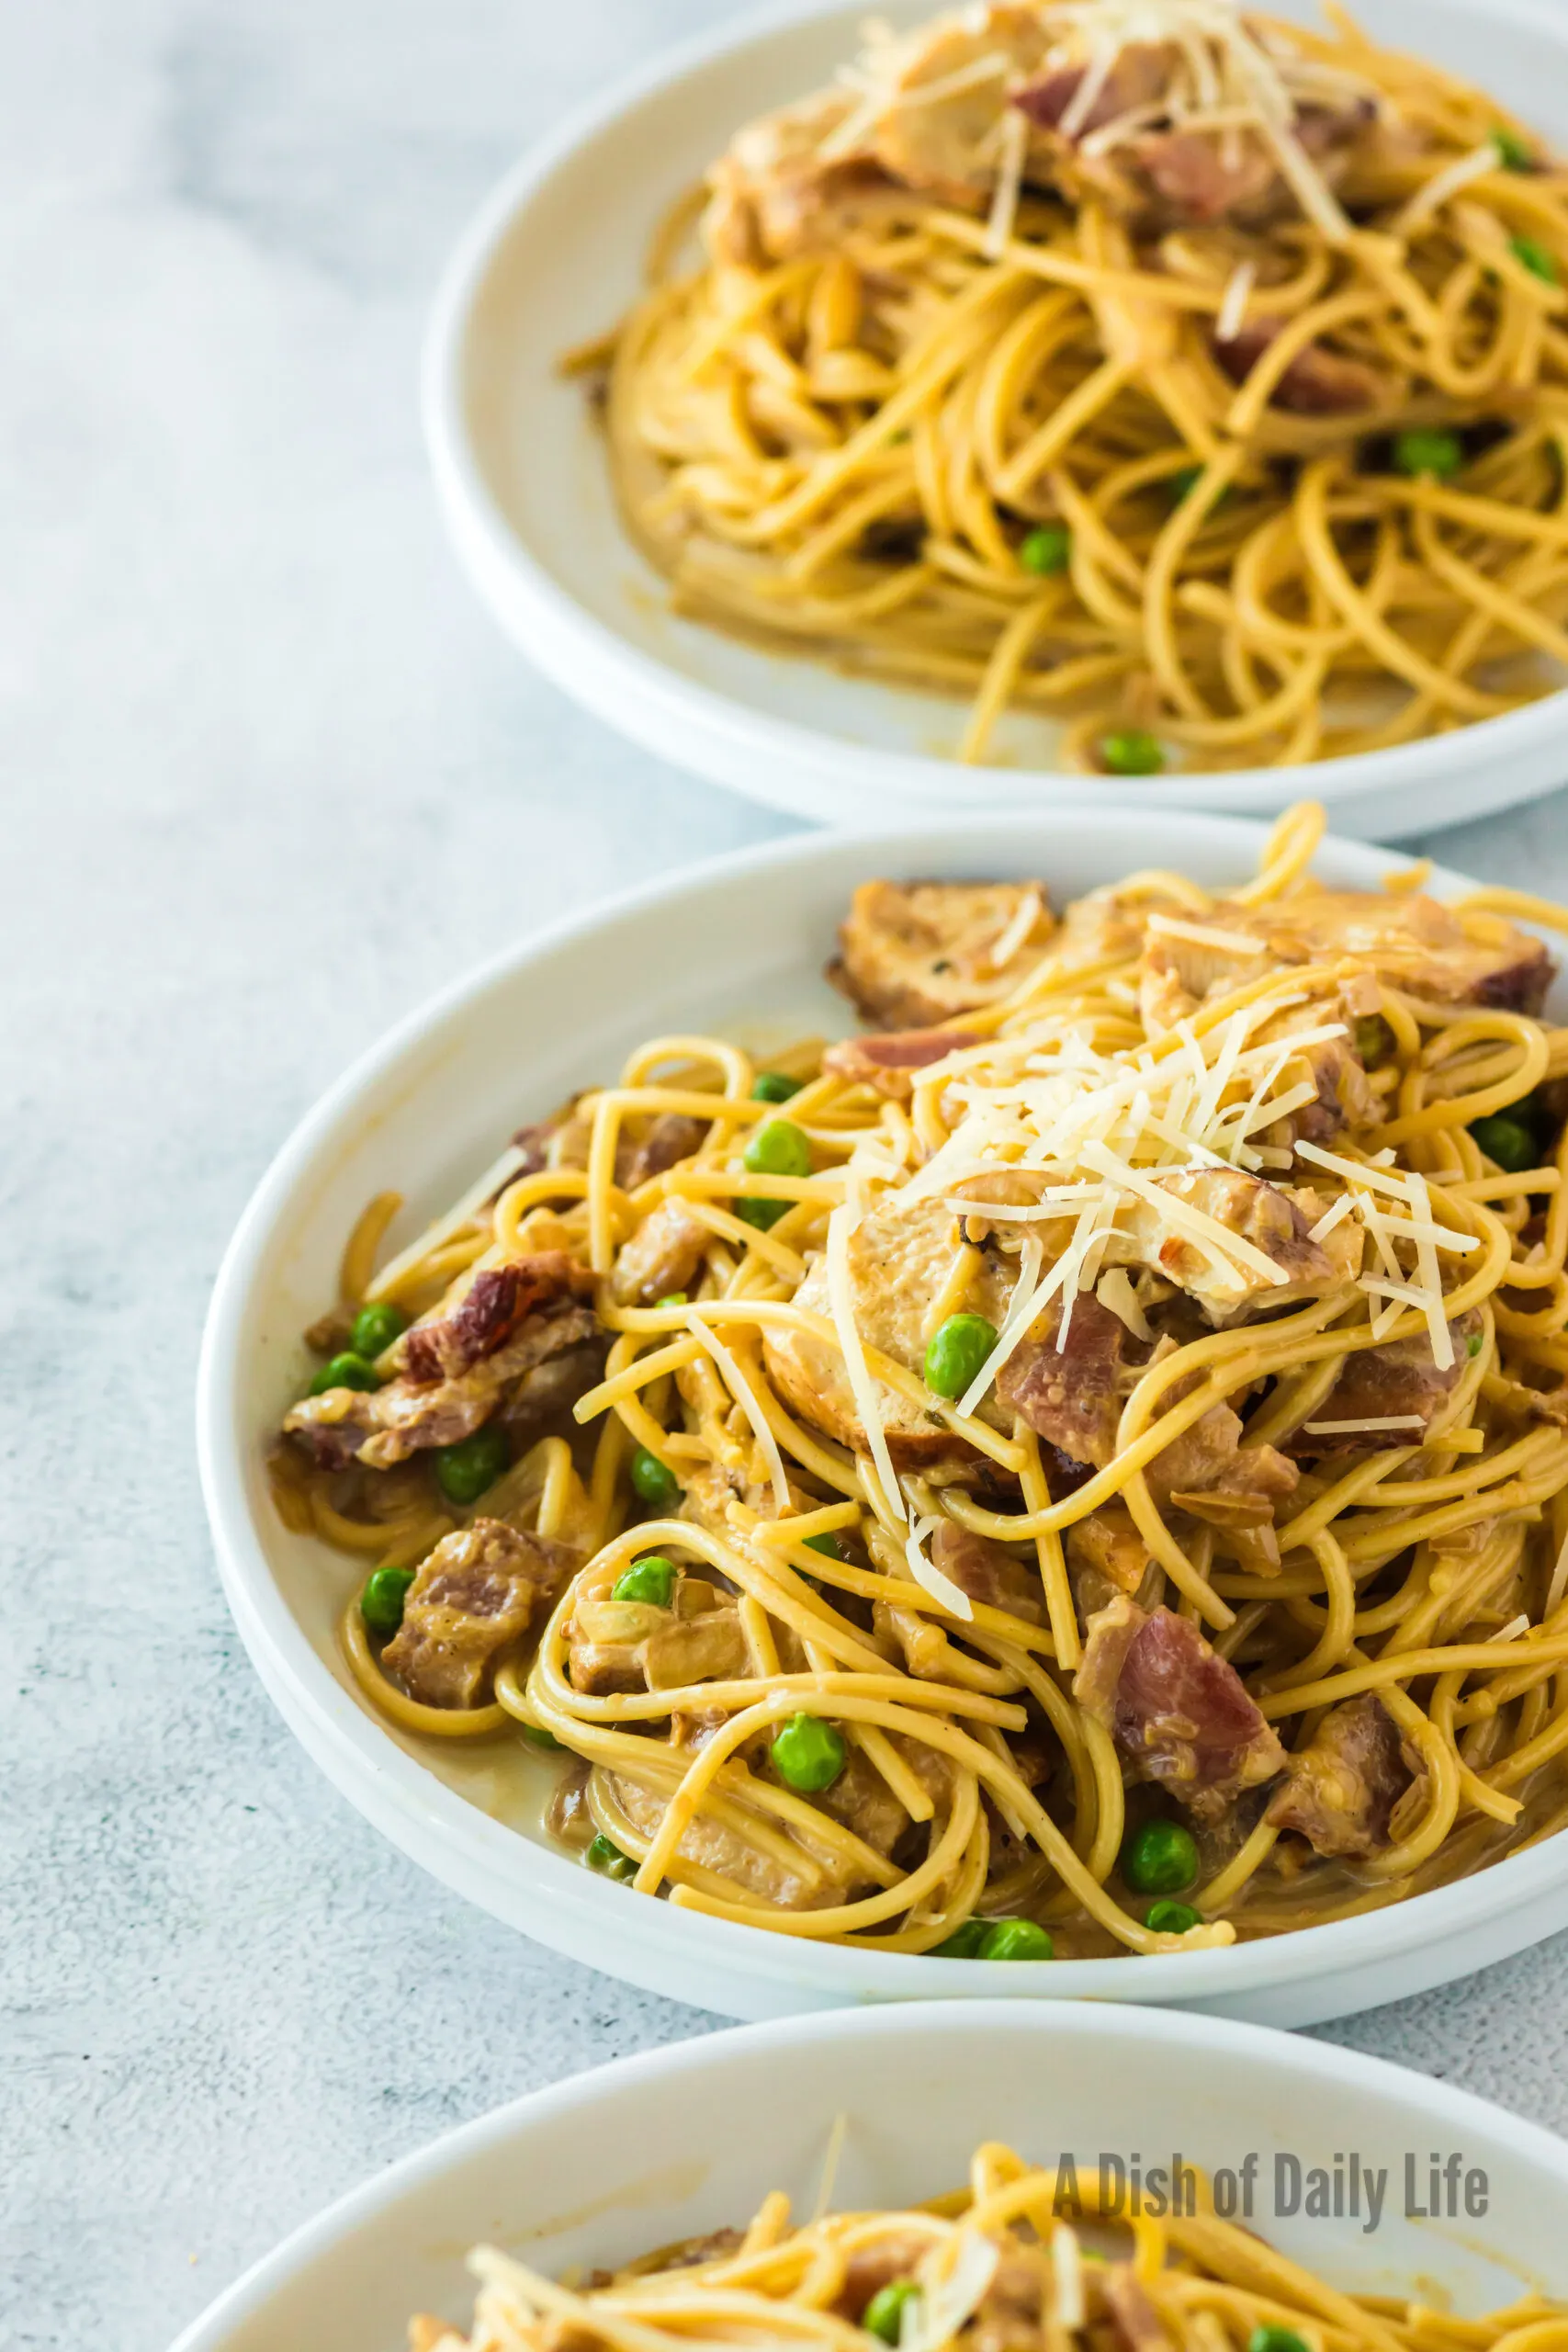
884, 2315
1506, 1139
1046, 550
1268, 2338
345, 1371
376, 1327
537, 1736
1132, 753
764, 1215
964, 1942
654, 1482
1169, 1919
1161, 1857
809, 1754
1532, 254
779, 1148
602, 1855
1428, 449
957, 1352
828, 1545
1017, 1940
1182, 485
1514, 153
673, 1298
464, 1470
1374, 1039
772, 1086
653, 1579
1475, 1344
381, 1602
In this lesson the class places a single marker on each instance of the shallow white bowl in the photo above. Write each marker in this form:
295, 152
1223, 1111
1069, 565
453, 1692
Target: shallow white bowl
554, 257
683, 2141
736, 945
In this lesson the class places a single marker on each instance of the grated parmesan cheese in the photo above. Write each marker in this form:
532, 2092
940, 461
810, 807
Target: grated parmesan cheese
1233, 308
1373, 1422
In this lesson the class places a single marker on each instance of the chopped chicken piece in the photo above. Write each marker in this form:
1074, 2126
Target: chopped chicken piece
412, 1414
1210, 1460
475, 1595
1390, 1383
860, 1799
548, 1393
712, 1492
637, 1645
872, 2267
915, 954
1179, 1713
663, 1255
1108, 1542
708, 1845
1137, 2325
776, 194
899, 1258
888, 1063
1343, 1789
1260, 1214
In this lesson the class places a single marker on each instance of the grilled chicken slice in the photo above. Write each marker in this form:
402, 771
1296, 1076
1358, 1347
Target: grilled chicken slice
911, 955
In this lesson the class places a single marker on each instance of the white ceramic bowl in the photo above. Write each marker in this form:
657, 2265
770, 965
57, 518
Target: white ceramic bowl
738, 945
681, 2141
554, 257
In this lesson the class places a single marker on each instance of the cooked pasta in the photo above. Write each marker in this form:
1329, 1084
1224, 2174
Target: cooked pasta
1099, 1434
1020, 2259
1190, 378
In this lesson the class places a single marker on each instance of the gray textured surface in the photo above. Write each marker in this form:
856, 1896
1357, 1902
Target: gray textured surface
271, 777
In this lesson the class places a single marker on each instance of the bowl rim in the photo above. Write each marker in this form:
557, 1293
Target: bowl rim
358, 1752
1130, 2026
565, 634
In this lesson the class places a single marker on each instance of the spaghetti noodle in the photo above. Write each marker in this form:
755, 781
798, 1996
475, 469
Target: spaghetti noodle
1005, 2261
1104, 1436
1184, 376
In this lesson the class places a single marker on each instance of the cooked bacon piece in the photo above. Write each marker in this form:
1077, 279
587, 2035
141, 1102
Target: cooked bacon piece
1179, 1712
496, 1300
914, 954
899, 1258
1073, 1396
888, 1063
670, 1138
1316, 382
1388, 1383
992, 1574
663, 1255
1138, 77
873, 2267
710, 1845
516, 1328
1344, 1789
1257, 1213
1199, 180
474, 1596
1412, 943
1138, 2326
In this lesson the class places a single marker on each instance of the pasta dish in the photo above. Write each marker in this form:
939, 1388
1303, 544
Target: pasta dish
1014, 2261
1187, 377
1080, 1465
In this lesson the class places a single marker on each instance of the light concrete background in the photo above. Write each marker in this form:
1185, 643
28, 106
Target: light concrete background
270, 778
